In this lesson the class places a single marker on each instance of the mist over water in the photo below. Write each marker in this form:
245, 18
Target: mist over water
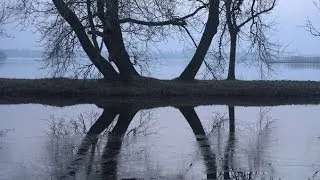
112, 141
205, 142
34, 68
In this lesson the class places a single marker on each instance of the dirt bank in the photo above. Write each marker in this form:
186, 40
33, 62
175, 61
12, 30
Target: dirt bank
86, 91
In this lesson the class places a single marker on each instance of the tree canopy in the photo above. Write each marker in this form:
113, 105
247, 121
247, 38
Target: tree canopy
116, 34
4, 15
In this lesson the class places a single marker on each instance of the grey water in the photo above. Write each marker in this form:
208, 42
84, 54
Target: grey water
168, 69
122, 142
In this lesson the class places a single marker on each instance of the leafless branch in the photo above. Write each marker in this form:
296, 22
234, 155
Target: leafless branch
4, 18
311, 29
143, 24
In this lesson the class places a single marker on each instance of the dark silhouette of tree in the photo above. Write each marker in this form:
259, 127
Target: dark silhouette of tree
203, 142
229, 151
261, 129
115, 139
111, 33
113, 125
4, 16
210, 30
113, 147
244, 17
91, 139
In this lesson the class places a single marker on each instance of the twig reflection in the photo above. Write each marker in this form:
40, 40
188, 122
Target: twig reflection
113, 125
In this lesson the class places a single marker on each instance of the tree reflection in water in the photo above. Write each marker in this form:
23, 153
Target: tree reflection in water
204, 145
259, 132
105, 138
3, 134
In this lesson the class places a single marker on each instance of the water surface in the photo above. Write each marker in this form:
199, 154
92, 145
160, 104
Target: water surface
123, 142
169, 69
214, 142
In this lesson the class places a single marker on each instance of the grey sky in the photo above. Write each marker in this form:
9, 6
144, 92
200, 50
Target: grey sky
291, 16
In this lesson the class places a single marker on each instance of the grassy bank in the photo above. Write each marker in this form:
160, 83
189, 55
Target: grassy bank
87, 91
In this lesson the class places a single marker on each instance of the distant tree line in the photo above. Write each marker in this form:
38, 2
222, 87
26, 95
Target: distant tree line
118, 35
22, 53
301, 59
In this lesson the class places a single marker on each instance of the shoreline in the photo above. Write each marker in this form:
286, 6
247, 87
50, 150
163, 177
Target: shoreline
63, 91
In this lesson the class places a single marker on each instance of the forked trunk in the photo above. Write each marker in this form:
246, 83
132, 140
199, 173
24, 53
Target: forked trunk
93, 53
119, 55
113, 147
210, 30
114, 41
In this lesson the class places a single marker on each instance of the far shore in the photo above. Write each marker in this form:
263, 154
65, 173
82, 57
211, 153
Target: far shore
152, 92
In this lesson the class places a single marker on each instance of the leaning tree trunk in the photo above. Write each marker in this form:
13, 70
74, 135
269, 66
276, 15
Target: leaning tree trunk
93, 53
208, 156
113, 147
114, 41
91, 138
232, 61
210, 30
119, 55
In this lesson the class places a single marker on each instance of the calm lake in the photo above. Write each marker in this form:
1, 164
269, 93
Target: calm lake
123, 142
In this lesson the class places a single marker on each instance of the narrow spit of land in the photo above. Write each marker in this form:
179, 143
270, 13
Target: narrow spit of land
71, 91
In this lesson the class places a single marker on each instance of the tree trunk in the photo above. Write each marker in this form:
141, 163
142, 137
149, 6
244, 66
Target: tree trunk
93, 53
91, 138
120, 56
232, 60
231, 120
113, 147
228, 154
114, 42
191, 116
210, 30
208, 156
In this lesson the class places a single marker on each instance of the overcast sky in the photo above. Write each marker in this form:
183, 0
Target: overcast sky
291, 17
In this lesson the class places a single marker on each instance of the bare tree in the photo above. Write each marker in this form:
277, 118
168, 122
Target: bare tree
4, 16
112, 33
310, 26
242, 20
210, 30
